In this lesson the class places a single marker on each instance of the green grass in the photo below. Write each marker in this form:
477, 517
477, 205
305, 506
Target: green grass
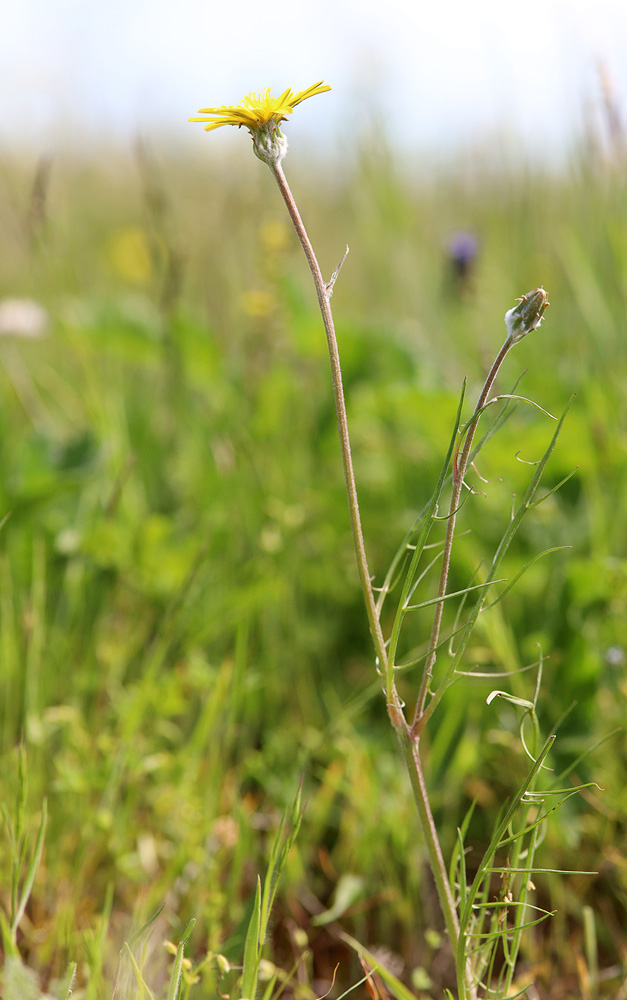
181, 629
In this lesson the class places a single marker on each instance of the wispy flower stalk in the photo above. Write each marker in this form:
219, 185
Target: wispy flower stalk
262, 114
521, 320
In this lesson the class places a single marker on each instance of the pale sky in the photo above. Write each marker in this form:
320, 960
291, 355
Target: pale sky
442, 72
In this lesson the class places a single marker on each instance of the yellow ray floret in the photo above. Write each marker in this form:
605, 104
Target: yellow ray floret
259, 108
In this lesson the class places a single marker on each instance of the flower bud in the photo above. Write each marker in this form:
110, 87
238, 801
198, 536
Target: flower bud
527, 315
269, 143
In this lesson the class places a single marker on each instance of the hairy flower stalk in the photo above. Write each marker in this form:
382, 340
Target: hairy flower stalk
261, 114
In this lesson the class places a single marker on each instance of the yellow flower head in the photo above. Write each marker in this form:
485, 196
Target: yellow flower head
259, 109
262, 113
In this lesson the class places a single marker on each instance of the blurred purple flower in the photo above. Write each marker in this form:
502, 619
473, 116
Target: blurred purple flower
461, 251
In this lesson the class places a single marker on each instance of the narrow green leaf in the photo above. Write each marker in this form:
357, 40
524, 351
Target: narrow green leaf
66, 989
592, 951
252, 949
21, 794
536, 503
456, 593
460, 842
267, 993
424, 573
522, 571
443, 642
497, 836
144, 989
538, 871
506, 696
188, 931
571, 767
9, 825
507, 931
264, 897
539, 796
499, 555
7, 936
175, 981
525, 399
499, 904
496, 399
463, 883
421, 541
514, 996
145, 926
537, 822
351, 989
281, 847
424, 515
32, 868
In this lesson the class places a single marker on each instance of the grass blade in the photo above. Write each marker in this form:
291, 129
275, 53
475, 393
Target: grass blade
32, 869
175, 981
252, 949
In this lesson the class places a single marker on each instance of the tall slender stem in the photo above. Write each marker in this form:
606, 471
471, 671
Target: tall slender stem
324, 292
409, 748
411, 755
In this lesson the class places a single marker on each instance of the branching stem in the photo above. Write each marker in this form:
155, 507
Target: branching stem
460, 467
409, 748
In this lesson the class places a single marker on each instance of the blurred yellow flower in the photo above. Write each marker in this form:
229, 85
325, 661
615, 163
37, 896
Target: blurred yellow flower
259, 109
130, 254
257, 303
274, 236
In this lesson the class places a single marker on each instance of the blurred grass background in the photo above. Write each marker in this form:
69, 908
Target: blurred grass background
182, 635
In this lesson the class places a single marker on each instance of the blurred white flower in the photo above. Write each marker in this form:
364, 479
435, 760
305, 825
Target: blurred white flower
23, 318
